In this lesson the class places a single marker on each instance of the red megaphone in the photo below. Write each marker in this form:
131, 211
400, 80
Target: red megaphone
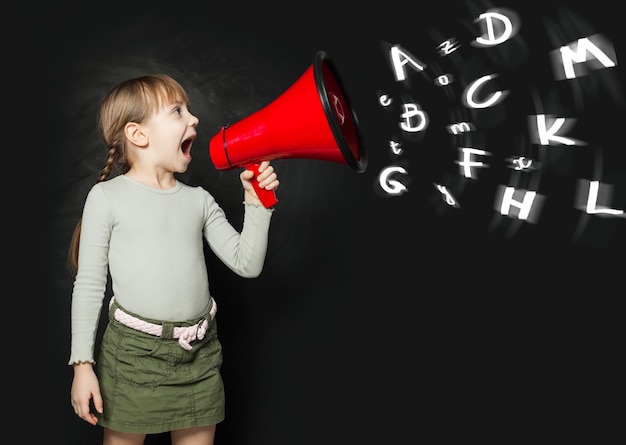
312, 119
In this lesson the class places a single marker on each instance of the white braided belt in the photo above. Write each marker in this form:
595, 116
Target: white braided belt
184, 334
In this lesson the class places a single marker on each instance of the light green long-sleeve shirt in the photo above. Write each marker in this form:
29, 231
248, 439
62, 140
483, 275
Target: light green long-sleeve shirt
151, 242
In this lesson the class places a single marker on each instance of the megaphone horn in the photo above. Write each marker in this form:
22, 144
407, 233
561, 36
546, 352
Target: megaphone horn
311, 120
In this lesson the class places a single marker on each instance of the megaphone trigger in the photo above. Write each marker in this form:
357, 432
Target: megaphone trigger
267, 197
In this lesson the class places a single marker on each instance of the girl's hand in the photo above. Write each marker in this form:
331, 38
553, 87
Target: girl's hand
267, 179
85, 388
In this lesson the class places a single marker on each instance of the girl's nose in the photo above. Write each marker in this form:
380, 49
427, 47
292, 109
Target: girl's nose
194, 120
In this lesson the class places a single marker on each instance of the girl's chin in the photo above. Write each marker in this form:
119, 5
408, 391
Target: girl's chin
182, 168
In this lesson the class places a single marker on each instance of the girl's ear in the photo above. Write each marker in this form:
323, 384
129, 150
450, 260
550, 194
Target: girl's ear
135, 135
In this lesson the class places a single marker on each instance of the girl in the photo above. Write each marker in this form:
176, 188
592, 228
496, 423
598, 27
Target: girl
158, 366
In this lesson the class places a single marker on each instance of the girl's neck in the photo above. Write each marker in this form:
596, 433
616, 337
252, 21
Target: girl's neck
157, 180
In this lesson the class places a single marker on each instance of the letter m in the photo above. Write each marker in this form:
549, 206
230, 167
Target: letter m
563, 60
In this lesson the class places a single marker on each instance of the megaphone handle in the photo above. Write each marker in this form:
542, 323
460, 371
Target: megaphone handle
267, 197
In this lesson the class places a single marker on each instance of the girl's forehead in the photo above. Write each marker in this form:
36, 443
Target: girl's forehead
165, 97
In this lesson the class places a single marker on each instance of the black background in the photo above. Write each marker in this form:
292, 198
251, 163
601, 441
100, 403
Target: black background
376, 319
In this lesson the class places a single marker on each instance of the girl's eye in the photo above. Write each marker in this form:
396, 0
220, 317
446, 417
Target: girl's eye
177, 110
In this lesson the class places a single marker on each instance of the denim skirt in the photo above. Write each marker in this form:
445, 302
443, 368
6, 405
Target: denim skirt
150, 384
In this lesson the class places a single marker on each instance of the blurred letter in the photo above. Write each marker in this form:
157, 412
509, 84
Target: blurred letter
400, 58
505, 29
470, 92
467, 163
412, 111
546, 135
576, 52
391, 186
524, 206
592, 201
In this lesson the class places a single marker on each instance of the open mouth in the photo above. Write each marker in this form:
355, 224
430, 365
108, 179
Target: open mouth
186, 145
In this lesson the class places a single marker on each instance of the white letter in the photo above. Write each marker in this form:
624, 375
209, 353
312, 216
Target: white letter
469, 92
447, 196
576, 52
592, 200
411, 111
466, 163
546, 135
506, 30
460, 127
525, 206
391, 186
399, 58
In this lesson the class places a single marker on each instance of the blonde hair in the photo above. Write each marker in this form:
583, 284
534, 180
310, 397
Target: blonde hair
133, 100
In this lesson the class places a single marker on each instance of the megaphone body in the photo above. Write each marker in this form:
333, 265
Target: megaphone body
311, 120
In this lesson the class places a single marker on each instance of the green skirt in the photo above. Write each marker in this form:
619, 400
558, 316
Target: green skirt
150, 384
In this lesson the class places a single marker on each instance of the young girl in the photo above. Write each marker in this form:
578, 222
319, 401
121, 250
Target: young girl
158, 366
